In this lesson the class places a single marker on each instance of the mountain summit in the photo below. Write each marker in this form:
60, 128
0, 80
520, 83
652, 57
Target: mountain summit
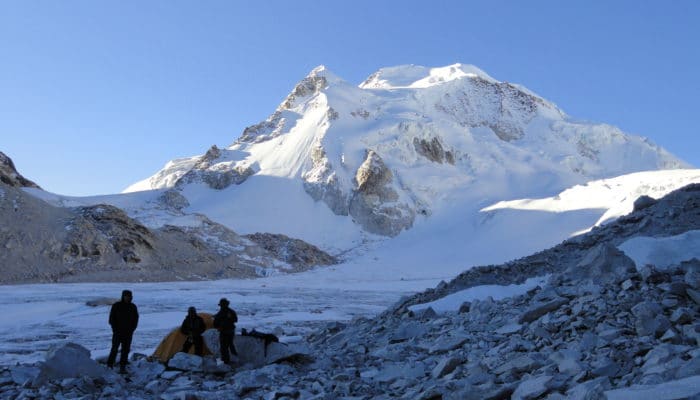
407, 143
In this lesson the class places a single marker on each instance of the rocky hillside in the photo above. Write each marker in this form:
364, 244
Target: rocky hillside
9, 174
45, 243
599, 326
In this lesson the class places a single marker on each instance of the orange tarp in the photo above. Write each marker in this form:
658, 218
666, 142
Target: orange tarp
172, 343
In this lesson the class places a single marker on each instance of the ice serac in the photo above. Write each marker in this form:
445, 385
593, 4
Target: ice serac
430, 135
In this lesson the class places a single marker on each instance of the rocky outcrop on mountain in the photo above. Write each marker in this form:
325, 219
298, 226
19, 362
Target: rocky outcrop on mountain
43, 243
274, 125
217, 175
105, 229
433, 150
300, 255
9, 174
375, 203
173, 200
502, 107
322, 183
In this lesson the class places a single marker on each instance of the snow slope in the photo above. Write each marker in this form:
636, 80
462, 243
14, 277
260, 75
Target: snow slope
338, 165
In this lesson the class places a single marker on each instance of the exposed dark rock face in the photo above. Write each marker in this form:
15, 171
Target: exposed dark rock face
433, 150
507, 108
174, 200
375, 203
10, 176
216, 176
96, 228
322, 183
299, 254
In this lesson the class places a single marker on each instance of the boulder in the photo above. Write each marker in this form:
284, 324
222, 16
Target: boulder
671, 390
541, 309
643, 202
186, 362
589, 390
602, 264
69, 360
531, 388
255, 351
22, 375
445, 366
649, 319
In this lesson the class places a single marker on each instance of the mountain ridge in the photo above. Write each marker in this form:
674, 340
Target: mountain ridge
415, 137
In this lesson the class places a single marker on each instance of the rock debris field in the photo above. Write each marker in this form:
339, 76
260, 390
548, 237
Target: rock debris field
599, 326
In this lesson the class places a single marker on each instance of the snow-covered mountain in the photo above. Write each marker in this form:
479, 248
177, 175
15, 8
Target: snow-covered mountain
336, 163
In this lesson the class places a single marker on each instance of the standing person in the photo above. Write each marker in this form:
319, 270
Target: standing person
123, 317
225, 321
193, 326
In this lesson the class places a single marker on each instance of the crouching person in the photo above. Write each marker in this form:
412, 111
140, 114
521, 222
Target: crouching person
193, 326
225, 321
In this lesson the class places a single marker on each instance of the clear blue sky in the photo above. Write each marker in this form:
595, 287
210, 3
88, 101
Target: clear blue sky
96, 95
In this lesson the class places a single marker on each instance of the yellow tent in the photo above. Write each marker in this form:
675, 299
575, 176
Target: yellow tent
172, 343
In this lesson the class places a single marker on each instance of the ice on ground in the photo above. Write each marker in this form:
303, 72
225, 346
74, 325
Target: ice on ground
452, 302
663, 252
39, 316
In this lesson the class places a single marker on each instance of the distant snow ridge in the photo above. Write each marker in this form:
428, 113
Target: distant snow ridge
405, 144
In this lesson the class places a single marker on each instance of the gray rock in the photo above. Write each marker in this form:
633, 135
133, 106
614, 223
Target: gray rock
602, 264
589, 341
156, 386
426, 313
568, 361
650, 319
643, 202
589, 390
689, 368
672, 390
173, 199
390, 372
671, 336
447, 343
692, 332
681, 316
519, 364
445, 366
694, 295
375, 203
531, 388
69, 360
627, 285
692, 275
407, 330
508, 329
186, 362
605, 367
541, 309
170, 375
23, 374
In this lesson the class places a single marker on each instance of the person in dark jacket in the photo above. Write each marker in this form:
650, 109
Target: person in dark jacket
123, 317
225, 321
193, 326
